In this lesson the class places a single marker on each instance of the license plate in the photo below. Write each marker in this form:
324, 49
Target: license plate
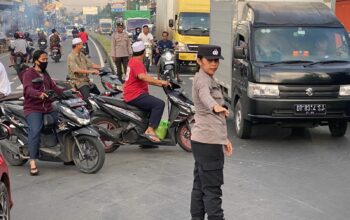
168, 62
310, 109
42, 43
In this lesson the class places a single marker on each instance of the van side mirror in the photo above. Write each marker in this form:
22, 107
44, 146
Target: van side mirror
171, 23
239, 53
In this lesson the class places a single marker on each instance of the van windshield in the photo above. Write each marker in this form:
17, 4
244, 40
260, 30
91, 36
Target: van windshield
106, 25
134, 23
194, 24
300, 43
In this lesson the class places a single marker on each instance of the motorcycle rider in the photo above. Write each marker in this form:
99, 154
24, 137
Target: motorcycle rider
75, 32
41, 37
30, 48
136, 34
55, 41
19, 46
145, 36
79, 66
136, 90
84, 37
36, 104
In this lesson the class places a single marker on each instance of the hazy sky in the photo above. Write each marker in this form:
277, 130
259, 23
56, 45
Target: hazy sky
79, 4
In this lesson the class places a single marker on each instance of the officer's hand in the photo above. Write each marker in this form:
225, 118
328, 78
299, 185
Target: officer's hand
220, 109
43, 95
96, 72
228, 148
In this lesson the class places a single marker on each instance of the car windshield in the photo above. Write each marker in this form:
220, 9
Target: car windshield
105, 25
302, 44
194, 24
134, 23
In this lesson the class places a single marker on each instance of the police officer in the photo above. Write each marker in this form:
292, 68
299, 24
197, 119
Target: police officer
79, 67
121, 49
209, 137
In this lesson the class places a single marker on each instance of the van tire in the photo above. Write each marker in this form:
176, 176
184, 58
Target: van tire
338, 128
242, 127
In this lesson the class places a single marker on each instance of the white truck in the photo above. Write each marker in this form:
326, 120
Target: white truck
105, 26
286, 63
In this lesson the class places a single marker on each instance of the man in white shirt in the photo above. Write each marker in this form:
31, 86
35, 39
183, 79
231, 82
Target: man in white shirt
145, 36
19, 46
5, 86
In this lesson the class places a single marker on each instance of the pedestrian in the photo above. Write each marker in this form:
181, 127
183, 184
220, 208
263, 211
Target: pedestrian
36, 104
209, 139
5, 86
121, 50
79, 67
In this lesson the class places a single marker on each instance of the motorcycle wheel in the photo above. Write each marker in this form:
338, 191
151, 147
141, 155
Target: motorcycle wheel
10, 157
108, 124
183, 136
4, 202
93, 156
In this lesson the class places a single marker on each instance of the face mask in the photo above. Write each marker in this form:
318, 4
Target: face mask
43, 66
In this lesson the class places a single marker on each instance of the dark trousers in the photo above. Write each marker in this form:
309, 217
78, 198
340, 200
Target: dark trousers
208, 178
85, 92
150, 104
87, 48
35, 124
119, 62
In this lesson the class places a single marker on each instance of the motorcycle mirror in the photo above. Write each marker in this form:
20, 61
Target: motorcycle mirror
5, 131
38, 80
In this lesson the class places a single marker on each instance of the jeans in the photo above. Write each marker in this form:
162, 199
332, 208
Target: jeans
208, 178
151, 104
35, 125
85, 92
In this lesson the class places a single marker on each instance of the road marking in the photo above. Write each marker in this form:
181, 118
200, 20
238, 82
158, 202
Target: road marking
99, 53
4, 55
20, 87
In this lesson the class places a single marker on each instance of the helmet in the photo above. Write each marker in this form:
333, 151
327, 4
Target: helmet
26, 35
53, 31
38, 29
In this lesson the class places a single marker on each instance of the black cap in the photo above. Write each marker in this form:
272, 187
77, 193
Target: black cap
210, 52
120, 24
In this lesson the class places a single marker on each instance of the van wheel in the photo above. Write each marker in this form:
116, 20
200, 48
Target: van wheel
338, 128
243, 127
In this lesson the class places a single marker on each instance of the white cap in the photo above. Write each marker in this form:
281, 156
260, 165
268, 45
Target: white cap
138, 46
76, 41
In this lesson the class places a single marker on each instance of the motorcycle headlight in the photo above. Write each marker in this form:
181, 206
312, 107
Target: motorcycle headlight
181, 46
70, 114
256, 90
344, 90
168, 56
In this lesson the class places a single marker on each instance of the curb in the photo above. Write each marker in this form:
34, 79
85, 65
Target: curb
108, 57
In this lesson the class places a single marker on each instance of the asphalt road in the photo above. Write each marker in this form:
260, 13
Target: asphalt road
278, 174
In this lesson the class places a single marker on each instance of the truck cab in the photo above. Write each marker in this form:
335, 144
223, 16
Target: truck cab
290, 66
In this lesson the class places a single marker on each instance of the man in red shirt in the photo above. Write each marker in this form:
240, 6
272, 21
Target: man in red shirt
136, 90
84, 37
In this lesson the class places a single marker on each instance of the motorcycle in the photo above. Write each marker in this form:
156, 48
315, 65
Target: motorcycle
42, 44
167, 65
110, 82
85, 50
31, 49
19, 60
72, 138
148, 55
120, 123
56, 53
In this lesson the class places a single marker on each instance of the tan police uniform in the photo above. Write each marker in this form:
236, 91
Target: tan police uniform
121, 50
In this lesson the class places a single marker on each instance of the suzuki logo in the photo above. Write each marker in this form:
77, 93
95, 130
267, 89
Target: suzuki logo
309, 92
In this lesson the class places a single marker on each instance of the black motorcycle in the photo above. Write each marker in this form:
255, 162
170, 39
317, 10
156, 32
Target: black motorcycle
56, 53
42, 44
72, 138
19, 60
110, 82
85, 49
120, 123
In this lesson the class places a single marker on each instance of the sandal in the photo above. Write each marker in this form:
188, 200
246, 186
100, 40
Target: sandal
36, 173
151, 137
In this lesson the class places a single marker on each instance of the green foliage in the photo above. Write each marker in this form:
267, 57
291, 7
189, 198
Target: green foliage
104, 41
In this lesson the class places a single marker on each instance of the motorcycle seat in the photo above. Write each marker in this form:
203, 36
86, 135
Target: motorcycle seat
12, 96
121, 104
17, 110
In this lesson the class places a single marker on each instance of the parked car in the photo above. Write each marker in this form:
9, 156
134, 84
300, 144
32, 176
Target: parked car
5, 189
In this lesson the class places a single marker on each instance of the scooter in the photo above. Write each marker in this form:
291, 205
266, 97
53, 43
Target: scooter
167, 65
19, 60
56, 53
120, 123
72, 138
42, 44
148, 55
110, 82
